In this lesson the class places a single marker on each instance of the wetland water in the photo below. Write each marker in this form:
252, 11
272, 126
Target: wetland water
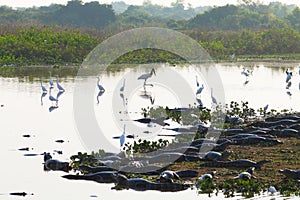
26, 112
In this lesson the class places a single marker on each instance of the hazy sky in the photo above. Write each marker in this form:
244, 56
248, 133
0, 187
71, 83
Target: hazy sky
30, 3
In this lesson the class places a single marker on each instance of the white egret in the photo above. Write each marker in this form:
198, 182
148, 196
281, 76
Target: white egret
122, 138
232, 56
245, 72
288, 76
197, 83
214, 100
123, 86
101, 88
146, 76
50, 81
266, 107
59, 87
200, 89
43, 88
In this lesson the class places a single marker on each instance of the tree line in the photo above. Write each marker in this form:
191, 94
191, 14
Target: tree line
66, 33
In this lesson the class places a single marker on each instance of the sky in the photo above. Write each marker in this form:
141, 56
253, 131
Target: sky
194, 3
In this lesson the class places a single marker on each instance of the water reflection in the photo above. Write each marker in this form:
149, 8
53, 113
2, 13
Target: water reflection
52, 108
59, 94
246, 82
268, 83
42, 96
147, 95
100, 93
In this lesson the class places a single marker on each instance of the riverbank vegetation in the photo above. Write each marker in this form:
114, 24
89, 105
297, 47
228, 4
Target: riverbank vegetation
281, 156
57, 34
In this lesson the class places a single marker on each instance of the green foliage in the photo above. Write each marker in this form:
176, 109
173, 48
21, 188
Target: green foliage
289, 187
144, 146
82, 159
44, 46
248, 188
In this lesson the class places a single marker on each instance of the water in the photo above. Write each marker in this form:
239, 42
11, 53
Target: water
24, 113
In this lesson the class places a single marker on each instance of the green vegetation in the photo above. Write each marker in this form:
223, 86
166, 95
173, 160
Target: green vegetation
58, 34
44, 46
282, 156
144, 146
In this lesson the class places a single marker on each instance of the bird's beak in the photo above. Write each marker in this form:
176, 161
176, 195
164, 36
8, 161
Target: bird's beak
154, 72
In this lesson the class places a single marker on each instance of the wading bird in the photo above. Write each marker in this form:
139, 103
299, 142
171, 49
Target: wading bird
101, 88
288, 76
200, 89
122, 137
43, 88
197, 83
213, 99
50, 81
59, 87
123, 86
245, 72
146, 76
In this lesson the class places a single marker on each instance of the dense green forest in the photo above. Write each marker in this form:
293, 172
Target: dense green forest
58, 34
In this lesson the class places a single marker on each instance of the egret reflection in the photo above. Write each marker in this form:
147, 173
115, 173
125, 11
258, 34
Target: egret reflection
100, 93
42, 96
246, 82
59, 94
147, 95
51, 108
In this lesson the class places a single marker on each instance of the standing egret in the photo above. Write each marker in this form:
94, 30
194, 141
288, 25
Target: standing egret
199, 91
59, 87
266, 107
288, 76
147, 75
43, 88
197, 83
101, 88
50, 81
232, 56
123, 86
122, 138
245, 72
213, 99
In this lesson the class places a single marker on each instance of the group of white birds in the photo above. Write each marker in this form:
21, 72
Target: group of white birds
59, 87
144, 77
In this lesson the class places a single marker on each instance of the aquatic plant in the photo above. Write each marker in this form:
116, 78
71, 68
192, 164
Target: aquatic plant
82, 159
145, 146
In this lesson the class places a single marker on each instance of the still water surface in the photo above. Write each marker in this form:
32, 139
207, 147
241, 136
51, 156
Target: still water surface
26, 111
